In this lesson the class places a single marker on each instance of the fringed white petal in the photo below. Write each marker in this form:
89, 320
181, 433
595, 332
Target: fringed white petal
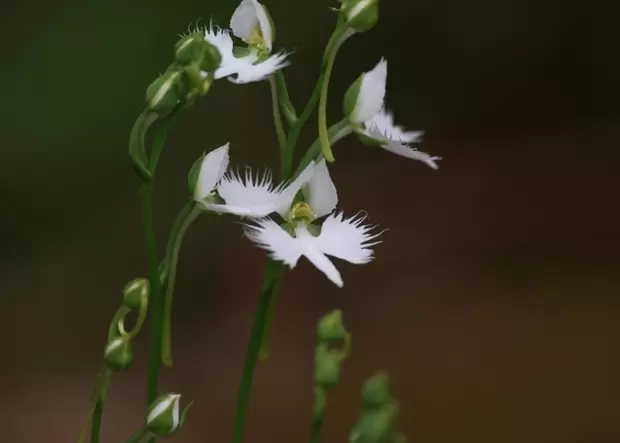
255, 195
320, 192
247, 72
221, 39
395, 139
372, 93
280, 244
212, 169
248, 16
347, 238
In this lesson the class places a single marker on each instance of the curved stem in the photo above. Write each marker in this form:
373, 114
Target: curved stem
263, 351
277, 118
285, 102
137, 150
335, 133
273, 273
185, 218
101, 392
343, 34
138, 436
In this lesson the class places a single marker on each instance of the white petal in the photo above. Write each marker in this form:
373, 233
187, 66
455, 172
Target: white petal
372, 93
212, 169
248, 16
347, 239
407, 151
244, 20
248, 72
311, 250
255, 196
271, 237
320, 192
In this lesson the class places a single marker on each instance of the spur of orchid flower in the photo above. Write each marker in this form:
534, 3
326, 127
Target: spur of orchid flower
251, 23
344, 238
364, 105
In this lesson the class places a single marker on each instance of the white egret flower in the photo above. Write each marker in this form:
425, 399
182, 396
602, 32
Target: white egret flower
247, 195
364, 105
345, 238
247, 68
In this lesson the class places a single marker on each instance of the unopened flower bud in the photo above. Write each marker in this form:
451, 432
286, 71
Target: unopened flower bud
330, 327
136, 293
375, 426
326, 367
211, 57
365, 97
189, 49
376, 391
164, 416
361, 14
118, 354
164, 93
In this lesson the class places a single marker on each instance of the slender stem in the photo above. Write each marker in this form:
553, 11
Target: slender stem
343, 33
103, 382
263, 351
273, 273
186, 217
137, 150
285, 102
277, 118
336, 133
320, 403
138, 436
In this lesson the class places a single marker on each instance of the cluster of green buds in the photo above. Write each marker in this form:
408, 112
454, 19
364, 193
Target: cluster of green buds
378, 420
189, 77
118, 355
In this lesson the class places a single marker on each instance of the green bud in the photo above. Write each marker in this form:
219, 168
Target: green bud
361, 15
118, 354
211, 57
189, 49
375, 426
326, 367
164, 93
164, 416
194, 173
376, 391
136, 293
351, 96
330, 327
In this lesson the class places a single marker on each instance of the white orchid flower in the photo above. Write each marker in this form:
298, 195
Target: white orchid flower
251, 23
340, 237
365, 107
249, 195
246, 68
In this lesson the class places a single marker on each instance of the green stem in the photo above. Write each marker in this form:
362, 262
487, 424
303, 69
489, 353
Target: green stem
103, 382
285, 102
335, 133
277, 118
263, 351
342, 34
272, 275
137, 150
138, 436
320, 403
186, 217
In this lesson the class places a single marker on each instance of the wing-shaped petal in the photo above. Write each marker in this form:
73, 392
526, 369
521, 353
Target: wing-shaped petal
405, 150
212, 169
320, 192
347, 238
281, 245
247, 72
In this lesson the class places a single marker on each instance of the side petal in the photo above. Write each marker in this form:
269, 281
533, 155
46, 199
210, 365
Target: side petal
212, 169
229, 65
268, 235
312, 252
320, 192
244, 20
247, 195
287, 193
247, 71
407, 151
347, 238
372, 93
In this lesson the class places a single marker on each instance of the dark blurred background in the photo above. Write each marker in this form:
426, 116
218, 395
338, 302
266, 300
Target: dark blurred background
493, 301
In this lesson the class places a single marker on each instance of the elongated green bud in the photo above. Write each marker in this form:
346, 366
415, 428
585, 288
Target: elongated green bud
361, 15
376, 391
136, 293
189, 49
118, 354
164, 93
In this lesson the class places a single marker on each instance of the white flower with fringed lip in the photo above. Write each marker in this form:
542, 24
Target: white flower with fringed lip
251, 23
254, 196
345, 238
365, 106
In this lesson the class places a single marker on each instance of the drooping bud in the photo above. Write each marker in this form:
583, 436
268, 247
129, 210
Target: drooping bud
361, 15
164, 416
376, 391
118, 354
136, 293
330, 327
164, 93
366, 96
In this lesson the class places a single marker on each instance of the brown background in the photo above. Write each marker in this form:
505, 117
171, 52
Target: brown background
493, 301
